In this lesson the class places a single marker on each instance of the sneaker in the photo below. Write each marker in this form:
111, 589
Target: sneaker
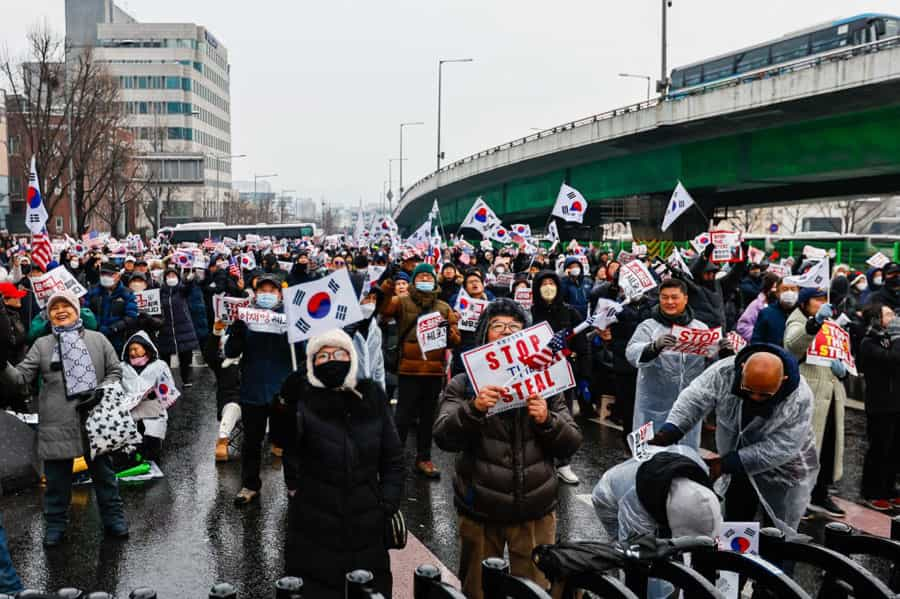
428, 469
567, 475
222, 450
828, 507
53, 538
246, 496
881, 505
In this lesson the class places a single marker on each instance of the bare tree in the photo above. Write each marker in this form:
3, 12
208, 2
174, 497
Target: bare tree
858, 214
793, 218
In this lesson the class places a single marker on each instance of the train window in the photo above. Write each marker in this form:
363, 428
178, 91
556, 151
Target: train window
752, 60
891, 28
718, 69
692, 76
791, 49
677, 79
827, 39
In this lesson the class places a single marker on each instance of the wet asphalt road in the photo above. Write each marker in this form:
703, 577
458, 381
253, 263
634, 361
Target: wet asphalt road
186, 534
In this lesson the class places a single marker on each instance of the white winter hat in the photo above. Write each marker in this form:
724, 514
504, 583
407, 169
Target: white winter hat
693, 509
332, 338
64, 296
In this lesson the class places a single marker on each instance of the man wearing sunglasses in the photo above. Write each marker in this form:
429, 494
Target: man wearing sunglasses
764, 435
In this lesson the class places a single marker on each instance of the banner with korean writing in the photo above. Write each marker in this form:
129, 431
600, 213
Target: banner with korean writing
635, 279
523, 296
469, 309
878, 260
226, 308
148, 302
500, 364
726, 246
58, 279
701, 342
430, 332
831, 343
263, 321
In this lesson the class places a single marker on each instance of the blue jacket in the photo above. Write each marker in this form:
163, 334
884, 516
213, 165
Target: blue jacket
770, 325
198, 312
576, 292
177, 333
116, 312
265, 362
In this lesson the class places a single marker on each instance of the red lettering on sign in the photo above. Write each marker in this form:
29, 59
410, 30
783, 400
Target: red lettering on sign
550, 382
522, 349
491, 360
507, 352
535, 342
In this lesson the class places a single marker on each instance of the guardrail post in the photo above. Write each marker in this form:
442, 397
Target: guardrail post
289, 587
142, 593
69, 593
99, 595
358, 585
424, 576
493, 569
223, 590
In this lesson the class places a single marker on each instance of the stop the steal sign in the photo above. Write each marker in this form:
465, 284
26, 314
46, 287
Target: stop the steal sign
499, 364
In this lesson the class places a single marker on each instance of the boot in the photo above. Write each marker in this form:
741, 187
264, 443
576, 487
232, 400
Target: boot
222, 450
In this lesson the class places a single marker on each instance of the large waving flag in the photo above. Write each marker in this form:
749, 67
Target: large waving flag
36, 215
570, 204
319, 306
678, 205
481, 218
41, 250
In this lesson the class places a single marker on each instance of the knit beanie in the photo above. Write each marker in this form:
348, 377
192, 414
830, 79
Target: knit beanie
807, 293
424, 267
693, 509
64, 296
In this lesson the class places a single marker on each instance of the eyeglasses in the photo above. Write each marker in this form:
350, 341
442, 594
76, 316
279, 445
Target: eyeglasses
341, 355
499, 327
338, 263
765, 395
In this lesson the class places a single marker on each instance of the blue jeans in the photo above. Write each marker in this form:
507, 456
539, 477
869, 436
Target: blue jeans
9, 580
58, 494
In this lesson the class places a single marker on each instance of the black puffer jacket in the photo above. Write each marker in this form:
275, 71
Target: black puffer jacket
879, 361
350, 480
505, 469
177, 333
559, 315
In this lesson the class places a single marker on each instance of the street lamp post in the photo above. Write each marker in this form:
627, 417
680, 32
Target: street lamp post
647, 77
402, 125
390, 193
440, 82
663, 84
257, 178
283, 204
219, 158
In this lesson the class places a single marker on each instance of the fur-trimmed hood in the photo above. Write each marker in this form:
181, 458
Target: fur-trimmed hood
333, 338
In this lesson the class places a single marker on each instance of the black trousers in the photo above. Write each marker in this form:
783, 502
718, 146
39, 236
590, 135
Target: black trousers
826, 459
626, 388
880, 465
254, 419
185, 358
418, 399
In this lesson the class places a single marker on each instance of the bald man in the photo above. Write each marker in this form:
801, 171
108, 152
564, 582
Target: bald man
766, 463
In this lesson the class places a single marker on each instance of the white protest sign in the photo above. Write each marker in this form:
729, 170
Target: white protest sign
639, 249
469, 309
737, 342
505, 279
695, 341
726, 246
780, 270
639, 442
58, 279
286, 266
831, 343
755, 255
429, 332
148, 301
605, 313
625, 257
226, 308
500, 364
814, 252
878, 260
263, 321
635, 279
738, 537
523, 297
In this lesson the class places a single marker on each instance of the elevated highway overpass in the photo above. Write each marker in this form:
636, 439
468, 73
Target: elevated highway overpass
825, 127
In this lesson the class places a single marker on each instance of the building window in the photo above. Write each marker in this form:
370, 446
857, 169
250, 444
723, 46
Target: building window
173, 82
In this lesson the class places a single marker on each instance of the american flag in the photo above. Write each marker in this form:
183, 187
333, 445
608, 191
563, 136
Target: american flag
553, 352
233, 269
41, 252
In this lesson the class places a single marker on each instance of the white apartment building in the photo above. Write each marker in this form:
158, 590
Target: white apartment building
174, 80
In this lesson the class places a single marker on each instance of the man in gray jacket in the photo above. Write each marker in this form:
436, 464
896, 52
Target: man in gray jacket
505, 485
73, 363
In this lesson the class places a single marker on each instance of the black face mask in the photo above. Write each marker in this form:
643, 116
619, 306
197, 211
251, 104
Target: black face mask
892, 283
25, 268
332, 373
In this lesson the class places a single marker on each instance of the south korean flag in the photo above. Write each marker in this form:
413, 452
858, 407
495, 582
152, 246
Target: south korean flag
319, 306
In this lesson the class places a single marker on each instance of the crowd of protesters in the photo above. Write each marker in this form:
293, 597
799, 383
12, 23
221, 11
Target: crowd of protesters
778, 419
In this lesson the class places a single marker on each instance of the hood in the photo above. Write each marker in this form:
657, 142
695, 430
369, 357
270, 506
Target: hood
502, 306
334, 338
536, 288
144, 340
869, 274
791, 369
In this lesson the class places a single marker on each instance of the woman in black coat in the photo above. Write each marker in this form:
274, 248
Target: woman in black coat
350, 471
177, 335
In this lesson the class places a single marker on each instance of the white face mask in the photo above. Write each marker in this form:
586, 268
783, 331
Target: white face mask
367, 310
107, 281
171, 281
574, 272
877, 280
789, 298
74, 263
862, 285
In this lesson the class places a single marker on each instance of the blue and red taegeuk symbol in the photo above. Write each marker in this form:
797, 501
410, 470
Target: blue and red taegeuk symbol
740, 544
501, 232
481, 215
463, 303
576, 206
34, 197
163, 389
319, 305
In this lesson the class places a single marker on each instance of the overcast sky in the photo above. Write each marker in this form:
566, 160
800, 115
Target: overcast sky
318, 89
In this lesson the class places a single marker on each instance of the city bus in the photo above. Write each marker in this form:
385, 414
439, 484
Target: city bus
198, 232
790, 48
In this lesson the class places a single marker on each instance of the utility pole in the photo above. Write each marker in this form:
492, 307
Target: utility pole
663, 84
402, 125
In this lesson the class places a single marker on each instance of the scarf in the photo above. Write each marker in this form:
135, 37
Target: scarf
78, 368
684, 319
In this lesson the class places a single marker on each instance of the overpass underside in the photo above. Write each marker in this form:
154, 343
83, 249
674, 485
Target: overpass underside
838, 143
